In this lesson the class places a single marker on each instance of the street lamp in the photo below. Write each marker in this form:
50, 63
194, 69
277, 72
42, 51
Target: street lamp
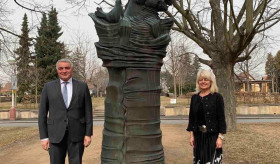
14, 89
34, 64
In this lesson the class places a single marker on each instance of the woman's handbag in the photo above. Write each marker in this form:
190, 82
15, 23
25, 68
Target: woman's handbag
216, 160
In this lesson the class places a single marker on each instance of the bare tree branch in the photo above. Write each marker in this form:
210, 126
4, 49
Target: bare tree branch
187, 15
268, 27
247, 56
34, 10
104, 1
10, 32
225, 27
234, 18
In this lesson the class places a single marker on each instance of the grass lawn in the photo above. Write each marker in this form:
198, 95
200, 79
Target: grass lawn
249, 144
96, 102
10, 136
165, 101
7, 105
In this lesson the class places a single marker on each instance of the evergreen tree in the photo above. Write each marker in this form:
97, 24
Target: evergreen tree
277, 71
272, 69
23, 60
48, 49
56, 48
277, 61
166, 80
184, 74
41, 49
192, 72
195, 68
196, 65
270, 66
188, 70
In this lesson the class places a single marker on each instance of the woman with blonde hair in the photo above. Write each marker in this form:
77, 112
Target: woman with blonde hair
206, 120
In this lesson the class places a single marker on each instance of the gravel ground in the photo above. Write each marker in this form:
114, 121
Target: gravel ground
249, 144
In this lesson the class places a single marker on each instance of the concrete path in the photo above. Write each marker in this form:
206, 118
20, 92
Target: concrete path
99, 121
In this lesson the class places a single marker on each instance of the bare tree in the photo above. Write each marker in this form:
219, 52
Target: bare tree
256, 60
8, 39
84, 58
7, 47
253, 65
272, 71
4, 21
5, 40
100, 80
223, 29
6, 11
171, 62
1, 86
176, 61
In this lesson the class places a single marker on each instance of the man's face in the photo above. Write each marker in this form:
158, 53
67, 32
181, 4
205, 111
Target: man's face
64, 71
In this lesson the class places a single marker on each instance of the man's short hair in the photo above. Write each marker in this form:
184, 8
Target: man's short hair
64, 60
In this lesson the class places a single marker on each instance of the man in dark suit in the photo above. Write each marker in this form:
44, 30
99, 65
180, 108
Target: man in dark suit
65, 116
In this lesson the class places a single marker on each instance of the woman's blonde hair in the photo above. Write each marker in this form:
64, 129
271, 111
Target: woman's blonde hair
208, 75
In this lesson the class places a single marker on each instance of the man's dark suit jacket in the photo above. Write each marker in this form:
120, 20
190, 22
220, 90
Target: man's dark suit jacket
54, 117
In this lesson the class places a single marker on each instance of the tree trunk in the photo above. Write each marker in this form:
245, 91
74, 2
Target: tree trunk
225, 82
97, 90
272, 84
248, 86
180, 86
276, 83
174, 85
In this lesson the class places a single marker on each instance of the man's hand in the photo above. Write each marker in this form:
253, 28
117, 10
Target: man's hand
45, 144
87, 141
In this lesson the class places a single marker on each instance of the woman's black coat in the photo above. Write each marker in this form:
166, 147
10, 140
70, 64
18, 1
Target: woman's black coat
213, 106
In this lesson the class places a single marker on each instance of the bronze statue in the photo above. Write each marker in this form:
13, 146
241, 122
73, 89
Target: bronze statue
132, 44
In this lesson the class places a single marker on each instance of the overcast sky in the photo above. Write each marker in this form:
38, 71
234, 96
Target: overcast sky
76, 23
71, 21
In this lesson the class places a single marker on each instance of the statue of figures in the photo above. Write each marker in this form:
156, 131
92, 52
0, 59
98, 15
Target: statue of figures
132, 44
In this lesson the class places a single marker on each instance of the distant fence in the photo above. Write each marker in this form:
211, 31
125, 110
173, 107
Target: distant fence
241, 98
5, 99
257, 98
249, 98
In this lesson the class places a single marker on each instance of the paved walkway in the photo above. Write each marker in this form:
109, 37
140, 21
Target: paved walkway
99, 121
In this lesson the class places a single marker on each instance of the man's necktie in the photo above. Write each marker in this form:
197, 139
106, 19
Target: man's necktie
65, 94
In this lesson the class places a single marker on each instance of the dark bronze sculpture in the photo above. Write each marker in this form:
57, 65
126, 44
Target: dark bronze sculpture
132, 44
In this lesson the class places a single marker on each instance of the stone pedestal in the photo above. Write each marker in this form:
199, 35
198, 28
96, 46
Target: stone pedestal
12, 113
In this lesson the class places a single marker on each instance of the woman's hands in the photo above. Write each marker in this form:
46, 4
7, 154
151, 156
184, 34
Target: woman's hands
192, 140
219, 142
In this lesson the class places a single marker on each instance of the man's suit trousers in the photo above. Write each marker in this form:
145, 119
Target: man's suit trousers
74, 150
